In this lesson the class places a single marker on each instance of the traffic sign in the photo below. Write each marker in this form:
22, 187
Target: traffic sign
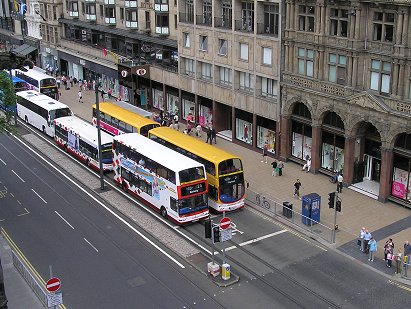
225, 223
53, 284
226, 234
54, 299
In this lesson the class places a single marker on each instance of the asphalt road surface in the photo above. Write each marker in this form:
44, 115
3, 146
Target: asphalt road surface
104, 264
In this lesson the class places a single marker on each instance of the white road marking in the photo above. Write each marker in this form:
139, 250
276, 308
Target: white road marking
105, 207
18, 176
45, 202
3, 162
90, 244
64, 219
255, 240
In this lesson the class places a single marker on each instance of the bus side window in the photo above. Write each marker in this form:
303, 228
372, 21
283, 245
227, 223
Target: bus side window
107, 119
171, 177
173, 204
212, 192
114, 122
125, 174
129, 128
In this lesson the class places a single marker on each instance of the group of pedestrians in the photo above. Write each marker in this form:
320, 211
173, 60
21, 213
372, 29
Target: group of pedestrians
278, 167
369, 246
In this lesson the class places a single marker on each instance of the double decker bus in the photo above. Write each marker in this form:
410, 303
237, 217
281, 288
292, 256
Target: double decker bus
225, 173
40, 110
38, 80
173, 184
79, 138
118, 118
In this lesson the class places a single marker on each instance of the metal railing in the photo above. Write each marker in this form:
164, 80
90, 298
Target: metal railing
186, 18
204, 19
30, 279
222, 23
278, 209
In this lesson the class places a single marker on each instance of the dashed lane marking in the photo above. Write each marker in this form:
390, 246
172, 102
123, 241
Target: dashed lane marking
61, 217
45, 202
90, 244
18, 176
3, 162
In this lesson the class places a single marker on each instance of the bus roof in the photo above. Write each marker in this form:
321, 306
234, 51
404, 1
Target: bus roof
125, 115
84, 129
36, 73
157, 152
41, 100
134, 109
197, 147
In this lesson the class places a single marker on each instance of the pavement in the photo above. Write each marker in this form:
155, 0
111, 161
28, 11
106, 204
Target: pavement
383, 220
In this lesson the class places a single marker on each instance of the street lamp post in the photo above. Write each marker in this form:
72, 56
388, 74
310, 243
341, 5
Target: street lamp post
99, 136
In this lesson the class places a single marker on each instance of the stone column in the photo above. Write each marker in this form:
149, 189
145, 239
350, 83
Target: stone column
288, 16
285, 138
323, 20
286, 56
349, 69
295, 17
357, 23
351, 19
164, 97
277, 147
401, 78
405, 32
320, 68
354, 71
395, 77
349, 151
233, 123
254, 142
398, 34
385, 174
317, 18
316, 149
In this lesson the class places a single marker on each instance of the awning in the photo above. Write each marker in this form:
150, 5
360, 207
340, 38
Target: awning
24, 50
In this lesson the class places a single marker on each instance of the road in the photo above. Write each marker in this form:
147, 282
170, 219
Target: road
91, 251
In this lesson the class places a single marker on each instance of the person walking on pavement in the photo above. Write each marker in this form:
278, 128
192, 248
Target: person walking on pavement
307, 164
407, 253
213, 136
398, 259
265, 154
367, 238
198, 130
389, 252
372, 244
362, 242
80, 96
297, 186
274, 165
340, 180
280, 166
209, 137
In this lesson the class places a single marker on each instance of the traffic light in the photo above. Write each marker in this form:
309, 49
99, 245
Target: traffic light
331, 199
216, 233
338, 205
207, 228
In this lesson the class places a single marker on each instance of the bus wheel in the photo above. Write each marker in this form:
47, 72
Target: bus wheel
163, 212
88, 162
44, 130
124, 186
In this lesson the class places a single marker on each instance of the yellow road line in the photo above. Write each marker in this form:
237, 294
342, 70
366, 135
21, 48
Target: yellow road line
401, 286
22, 256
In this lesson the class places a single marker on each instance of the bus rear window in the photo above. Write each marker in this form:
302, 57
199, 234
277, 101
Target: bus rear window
46, 82
229, 166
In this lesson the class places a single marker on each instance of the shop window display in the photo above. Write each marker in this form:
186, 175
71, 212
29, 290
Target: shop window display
205, 116
187, 108
401, 186
332, 155
158, 99
266, 136
301, 146
172, 103
244, 131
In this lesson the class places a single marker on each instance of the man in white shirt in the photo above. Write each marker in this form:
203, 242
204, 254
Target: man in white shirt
340, 183
362, 234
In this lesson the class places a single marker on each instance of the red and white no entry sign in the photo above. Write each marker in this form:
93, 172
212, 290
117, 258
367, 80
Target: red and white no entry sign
53, 284
225, 223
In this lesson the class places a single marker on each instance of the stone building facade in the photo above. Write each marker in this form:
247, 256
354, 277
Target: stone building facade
346, 92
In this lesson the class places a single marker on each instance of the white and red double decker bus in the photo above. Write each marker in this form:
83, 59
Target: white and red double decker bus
171, 183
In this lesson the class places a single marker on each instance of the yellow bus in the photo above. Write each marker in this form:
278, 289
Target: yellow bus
225, 173
116, 120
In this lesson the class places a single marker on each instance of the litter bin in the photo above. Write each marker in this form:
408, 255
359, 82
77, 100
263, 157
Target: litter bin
287, 209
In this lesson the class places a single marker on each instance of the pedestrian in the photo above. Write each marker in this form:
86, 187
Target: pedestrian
398, 260
265, 154
58, 80
110, 92
175, 118
188, 128
198, 130
361, 239
75, 81
407, 253
367, 238
209, 137
388, 248
71, 81
372, 244
80, 96
307, 164
102, 94
389, 252
274, 165
340, 180
213, 136
297, 186
280, 166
